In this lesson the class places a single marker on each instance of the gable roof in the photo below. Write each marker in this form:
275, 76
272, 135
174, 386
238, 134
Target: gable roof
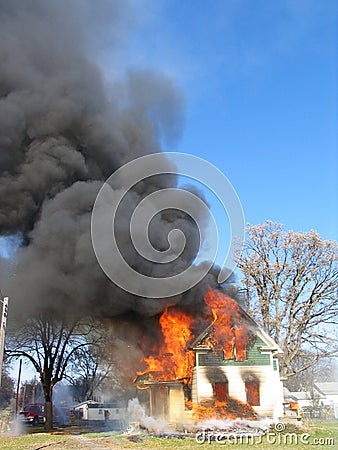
86, 402
271, 345
93, 404
201, 336
328, 388
300, 395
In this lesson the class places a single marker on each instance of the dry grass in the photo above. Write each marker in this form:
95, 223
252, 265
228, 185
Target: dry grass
106, 441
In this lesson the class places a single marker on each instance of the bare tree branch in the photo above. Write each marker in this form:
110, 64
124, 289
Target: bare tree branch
49, 344
292, 284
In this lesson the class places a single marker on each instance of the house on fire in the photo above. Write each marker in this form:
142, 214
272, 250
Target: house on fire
249, 375
235, 366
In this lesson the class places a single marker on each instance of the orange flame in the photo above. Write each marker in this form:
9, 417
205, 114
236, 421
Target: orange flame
230, 331
231, 410
173, 361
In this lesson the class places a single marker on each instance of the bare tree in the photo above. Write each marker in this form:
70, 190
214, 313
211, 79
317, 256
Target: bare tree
324, 370
49, 344
291, 280
88, 369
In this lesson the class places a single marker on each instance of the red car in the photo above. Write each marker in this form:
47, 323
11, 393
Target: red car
34, 413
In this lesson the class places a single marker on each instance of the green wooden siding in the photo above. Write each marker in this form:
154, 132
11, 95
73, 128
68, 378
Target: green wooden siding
254, 357
211, 358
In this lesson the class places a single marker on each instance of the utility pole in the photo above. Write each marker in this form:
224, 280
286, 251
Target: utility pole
3, 331
18, 389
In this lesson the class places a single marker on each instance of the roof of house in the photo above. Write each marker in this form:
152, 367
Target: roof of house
271, 344
328, 388
287, 395
87, 402
301, 395
93, 404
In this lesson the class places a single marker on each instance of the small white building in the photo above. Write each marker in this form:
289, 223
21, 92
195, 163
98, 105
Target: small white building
329, 391
321, 402
303, 398
91, 410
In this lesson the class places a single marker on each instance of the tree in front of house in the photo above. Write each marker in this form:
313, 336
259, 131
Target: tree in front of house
49, 344
291, 281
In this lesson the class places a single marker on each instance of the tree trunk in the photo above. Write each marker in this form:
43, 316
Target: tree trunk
48, 391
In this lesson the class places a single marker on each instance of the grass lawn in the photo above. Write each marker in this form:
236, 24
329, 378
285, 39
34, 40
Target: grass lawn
315, 434
31, 441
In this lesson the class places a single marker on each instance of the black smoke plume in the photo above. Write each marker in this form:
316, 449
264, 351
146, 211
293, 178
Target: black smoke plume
63, 130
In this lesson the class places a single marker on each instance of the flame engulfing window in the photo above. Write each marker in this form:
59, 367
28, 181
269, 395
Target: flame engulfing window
231, 332
252, 392
221, 391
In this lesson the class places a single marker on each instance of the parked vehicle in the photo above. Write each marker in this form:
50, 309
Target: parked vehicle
34, 413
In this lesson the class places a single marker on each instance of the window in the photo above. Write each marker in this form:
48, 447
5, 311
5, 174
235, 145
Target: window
221, 391
252, 393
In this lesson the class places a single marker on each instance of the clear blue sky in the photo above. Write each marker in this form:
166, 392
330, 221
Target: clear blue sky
259, 79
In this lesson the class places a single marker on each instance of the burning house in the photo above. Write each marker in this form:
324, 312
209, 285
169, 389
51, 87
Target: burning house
229, 370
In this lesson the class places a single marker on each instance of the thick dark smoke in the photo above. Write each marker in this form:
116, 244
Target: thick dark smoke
63, 131
57, 124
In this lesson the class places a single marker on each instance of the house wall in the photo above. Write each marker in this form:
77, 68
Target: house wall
159, 401
167, 402
95, 414
83, 411
176, 404
236, 373
304, 402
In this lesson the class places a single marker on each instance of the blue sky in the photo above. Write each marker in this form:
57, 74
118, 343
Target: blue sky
259, 80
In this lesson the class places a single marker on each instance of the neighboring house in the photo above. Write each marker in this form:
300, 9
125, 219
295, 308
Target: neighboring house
91, 410
303, 398
322, 402
253, 378
299, 403
329, 391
